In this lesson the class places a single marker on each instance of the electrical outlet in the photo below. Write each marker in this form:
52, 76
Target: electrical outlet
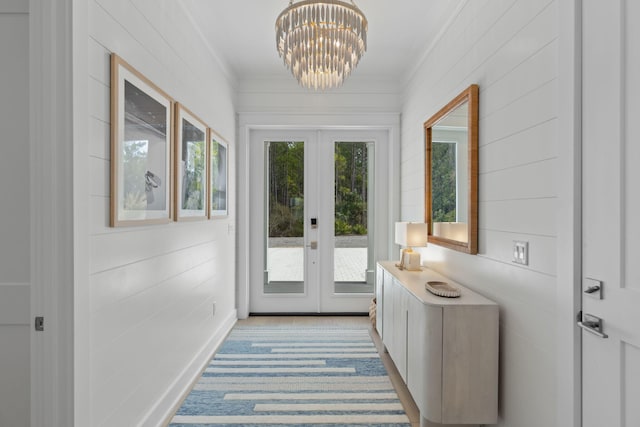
521, 252
213, 310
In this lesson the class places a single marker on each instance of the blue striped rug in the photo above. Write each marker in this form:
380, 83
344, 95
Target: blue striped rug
294, 376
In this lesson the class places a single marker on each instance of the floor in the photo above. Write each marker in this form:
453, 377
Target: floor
347, 322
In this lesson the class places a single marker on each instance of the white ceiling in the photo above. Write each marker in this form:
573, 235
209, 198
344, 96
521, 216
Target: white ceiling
242, 34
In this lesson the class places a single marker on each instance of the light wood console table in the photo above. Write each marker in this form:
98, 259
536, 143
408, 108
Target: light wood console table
446, 349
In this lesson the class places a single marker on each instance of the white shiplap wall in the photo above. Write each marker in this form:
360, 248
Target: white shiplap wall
14, 213
509, 48
152, 288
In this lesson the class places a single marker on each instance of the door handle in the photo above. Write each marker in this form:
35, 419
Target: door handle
592, 324
592, 288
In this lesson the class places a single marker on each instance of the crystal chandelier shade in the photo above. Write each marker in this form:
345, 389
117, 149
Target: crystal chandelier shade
321, 42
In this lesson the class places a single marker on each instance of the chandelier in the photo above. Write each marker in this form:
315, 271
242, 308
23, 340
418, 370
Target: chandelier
321, 42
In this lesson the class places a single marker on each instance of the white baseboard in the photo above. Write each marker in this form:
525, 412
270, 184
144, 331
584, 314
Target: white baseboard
165, 407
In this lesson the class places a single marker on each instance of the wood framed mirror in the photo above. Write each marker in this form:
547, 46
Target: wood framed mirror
451, 178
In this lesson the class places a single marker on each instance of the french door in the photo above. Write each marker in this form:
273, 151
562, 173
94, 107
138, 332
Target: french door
313, 220
611, 213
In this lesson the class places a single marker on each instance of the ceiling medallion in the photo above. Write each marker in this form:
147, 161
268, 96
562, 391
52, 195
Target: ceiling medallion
321, 42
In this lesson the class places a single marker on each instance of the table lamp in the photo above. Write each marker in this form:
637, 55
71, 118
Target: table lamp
408, 236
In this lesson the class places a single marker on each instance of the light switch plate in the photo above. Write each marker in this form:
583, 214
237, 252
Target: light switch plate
521, 252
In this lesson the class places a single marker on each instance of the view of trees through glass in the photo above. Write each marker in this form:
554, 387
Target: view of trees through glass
351, 188
286, 188
285, 211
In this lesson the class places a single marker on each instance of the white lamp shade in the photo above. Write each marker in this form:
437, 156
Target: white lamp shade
411, 234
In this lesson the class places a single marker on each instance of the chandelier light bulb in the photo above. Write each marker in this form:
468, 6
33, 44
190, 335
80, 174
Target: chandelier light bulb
321, 42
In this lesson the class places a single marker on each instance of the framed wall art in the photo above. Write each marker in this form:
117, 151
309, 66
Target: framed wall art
190, 166
141, 143
218, 176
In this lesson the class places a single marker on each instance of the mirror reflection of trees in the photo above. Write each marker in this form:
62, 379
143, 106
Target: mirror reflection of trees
443, 182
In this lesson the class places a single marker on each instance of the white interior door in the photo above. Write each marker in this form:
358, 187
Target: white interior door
314, 226
611, 213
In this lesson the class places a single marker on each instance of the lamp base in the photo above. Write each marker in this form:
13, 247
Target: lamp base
409, 260
412, 261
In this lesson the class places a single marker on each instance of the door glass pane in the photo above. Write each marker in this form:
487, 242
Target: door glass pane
353, 260
284, 218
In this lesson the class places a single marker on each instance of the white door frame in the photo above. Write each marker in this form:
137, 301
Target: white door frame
58, 103
256, 121
318, 295
569, 223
